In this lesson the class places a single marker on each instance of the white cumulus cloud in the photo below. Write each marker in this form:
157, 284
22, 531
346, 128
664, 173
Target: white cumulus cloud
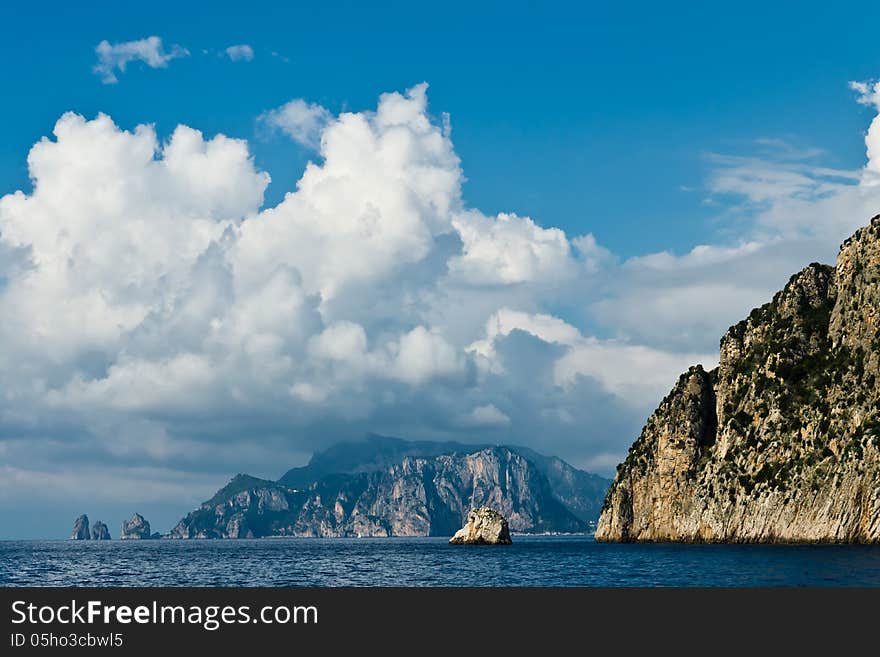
509, 249
487, 415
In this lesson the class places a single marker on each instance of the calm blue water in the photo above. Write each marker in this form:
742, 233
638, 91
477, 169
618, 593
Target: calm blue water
530, 561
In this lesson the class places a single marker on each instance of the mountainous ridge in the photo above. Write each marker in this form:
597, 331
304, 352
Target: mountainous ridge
391, 487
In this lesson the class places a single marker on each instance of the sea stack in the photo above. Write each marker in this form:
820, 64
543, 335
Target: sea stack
484, 526
100, 532
136, 528
781, 442
81, 529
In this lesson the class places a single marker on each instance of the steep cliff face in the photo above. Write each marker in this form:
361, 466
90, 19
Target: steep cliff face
781, 442
414, 497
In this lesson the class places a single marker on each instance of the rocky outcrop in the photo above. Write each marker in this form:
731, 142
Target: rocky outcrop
80, 529
100, 532
414, 496
779, 443
136, 528
484, 526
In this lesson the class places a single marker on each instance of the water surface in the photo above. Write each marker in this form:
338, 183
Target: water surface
530, 561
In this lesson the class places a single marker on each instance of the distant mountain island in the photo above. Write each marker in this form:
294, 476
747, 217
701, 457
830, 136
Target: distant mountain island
780, 442
391, 487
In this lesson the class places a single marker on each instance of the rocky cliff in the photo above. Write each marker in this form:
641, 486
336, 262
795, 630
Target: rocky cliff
779, 443
405, 495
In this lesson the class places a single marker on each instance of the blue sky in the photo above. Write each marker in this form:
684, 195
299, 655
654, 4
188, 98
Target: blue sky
619, 186
584, 116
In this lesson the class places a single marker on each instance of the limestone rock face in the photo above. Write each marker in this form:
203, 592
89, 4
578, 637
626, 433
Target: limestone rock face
135, 528
781, 442
663, 462
100, 532
484, 526
80, 529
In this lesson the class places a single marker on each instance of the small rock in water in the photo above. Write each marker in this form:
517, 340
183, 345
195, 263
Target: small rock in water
80, 529
485, 526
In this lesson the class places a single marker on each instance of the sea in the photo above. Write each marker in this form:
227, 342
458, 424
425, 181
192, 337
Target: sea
530, 561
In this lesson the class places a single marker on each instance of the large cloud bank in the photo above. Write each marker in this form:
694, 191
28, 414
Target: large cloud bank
160, 321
